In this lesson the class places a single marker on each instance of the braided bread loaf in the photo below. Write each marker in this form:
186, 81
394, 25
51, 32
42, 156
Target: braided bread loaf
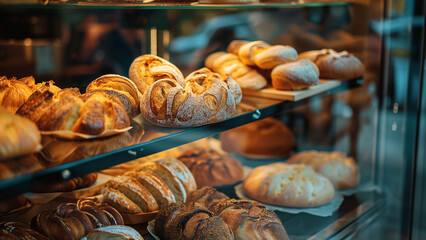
17, 230
168, 100
291, 185
340, 169
228, 63
73, 221
121, 87
335, 65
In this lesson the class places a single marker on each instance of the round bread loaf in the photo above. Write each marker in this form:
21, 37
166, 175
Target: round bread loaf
18, 136
121, 87
13, 94
249, 219
268, 137
289, 185
295, 75
335, 65
340, 169
205, 97
229, 64
211, 168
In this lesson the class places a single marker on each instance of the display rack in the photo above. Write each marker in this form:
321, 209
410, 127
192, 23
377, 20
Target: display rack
146, 139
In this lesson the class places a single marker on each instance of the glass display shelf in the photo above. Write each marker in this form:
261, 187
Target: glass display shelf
64, 159
168, 4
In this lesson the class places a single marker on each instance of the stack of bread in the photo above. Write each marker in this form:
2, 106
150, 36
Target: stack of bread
287, 69
209, 214
152, 186
170, 100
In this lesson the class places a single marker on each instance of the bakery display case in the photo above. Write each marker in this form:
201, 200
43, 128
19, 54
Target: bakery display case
373, 121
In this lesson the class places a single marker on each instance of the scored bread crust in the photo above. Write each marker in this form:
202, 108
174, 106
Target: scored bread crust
335, 65
229, 64
290, 185
114, 232
296, 75
206, 98
119, 201
13, 94
121, 87
18, 136
181, 171
340, 169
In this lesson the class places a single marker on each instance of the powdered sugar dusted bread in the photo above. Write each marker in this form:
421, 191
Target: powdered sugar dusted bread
114, 233
295, 75
206, 97
335, 65
290, 185
340, 169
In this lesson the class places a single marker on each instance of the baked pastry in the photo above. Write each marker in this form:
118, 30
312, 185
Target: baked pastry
268, 137
75, 220
206, 196
18, 136
17, 230
249, 219
15, 167
147, 69
229, 64
128, 195
295, 75
335, 65
121, 87
113, 233
265, 56
13, 94
71, 185
205, 97
190, 221
340, 169
210, 168
289, 185
181, 171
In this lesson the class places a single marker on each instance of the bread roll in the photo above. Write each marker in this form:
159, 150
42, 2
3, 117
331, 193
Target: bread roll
121, 87
114, 233
205, 98
229, 64
295, 75
13, 94
18, 136
335, 65
206, 196
340, 169
268, 137
211, 168
289, 185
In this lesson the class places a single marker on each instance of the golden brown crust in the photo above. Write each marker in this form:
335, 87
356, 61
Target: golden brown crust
268, 137
121, 87
206, 196
295, 75
18, 136
13, 94
335, 65
211, 168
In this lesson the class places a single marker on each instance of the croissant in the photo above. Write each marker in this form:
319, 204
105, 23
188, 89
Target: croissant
229, 64
121, 87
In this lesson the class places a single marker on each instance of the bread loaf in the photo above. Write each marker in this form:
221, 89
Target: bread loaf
335, 65
17, 230
229, 64
71, 185
18, 136
290, 185
190, 221
205, 97
295, 75
265, 56
249, 219
206, 196
13, 94
268, 137
211, 168
114, 233
340, 169
121, 87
